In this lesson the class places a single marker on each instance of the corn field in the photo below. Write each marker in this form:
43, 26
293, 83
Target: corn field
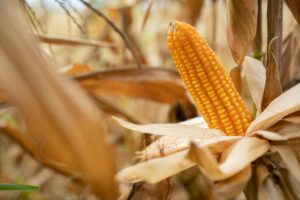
150, 99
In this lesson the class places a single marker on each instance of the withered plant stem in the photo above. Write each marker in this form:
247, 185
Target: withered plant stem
124, 37
257, 44
274, 50
63, 5
274, 18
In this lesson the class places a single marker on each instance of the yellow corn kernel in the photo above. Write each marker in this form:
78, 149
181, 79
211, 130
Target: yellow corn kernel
206, 79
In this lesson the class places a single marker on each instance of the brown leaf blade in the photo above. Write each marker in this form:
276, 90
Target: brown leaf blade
154, 84
194, 8
156, 170
285, 104
242, 154
241, 29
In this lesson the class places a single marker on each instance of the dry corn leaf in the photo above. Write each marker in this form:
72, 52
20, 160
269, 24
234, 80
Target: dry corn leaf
194, 8
218, 144
262, 174
61, 40
285, 104
241, 29
207, 161
156, 170
269, 135
273, 84
154, 84
232, 187
292, 119
290, 130
163, 146
147, 14
289, 158
250, 148
174, 130
63, 128
294, 6
255, 74
167, 145
290, 72
266, 187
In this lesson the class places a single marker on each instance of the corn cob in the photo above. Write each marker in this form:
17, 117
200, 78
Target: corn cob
207, 81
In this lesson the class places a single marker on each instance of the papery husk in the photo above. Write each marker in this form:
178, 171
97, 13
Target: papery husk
232, 187
255, 74
250, 147
167, 145
230, 164
164, 166
156, 170
267, 190
207, 161
283, 105
230, 161
174, 130
177, 137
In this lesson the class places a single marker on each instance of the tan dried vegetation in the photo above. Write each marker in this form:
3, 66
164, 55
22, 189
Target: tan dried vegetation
69, 80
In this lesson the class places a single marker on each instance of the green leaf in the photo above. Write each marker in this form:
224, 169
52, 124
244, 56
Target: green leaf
12, 186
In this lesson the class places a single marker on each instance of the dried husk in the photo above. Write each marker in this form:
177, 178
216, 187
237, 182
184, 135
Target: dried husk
255, 75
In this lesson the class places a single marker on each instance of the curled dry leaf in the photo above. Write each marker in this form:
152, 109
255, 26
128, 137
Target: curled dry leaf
174, 130
241, 29
250, 147
156, 170
283, 105
269, 135
160, 85
232, 187
206, 160
63, 128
